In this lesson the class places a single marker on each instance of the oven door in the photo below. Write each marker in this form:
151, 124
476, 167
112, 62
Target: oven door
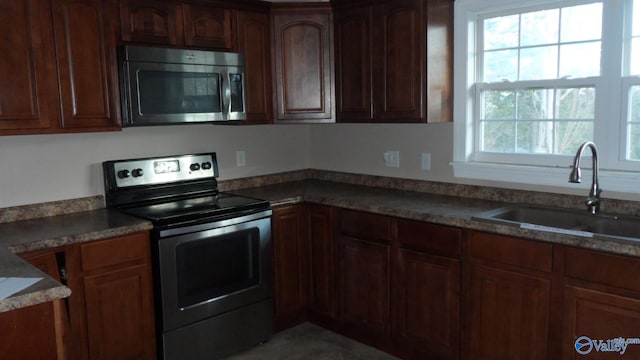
211, 271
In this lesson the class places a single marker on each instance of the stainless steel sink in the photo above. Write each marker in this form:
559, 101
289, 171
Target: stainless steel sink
565, 221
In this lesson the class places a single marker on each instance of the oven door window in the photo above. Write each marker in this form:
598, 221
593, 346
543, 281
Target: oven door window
174, 92
217, 266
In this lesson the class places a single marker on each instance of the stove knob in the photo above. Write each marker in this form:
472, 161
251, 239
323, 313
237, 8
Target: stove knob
206, 165
194, 167
123, 174
137, 172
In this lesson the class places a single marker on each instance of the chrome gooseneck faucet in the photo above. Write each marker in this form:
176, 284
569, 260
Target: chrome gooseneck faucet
593, 200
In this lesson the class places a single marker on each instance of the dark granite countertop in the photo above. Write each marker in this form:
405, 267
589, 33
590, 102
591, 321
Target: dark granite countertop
446, 209
51, 232
421, 206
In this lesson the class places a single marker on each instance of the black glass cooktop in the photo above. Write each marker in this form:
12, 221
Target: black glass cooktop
196, 208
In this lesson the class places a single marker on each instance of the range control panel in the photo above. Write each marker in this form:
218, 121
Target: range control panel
150, 171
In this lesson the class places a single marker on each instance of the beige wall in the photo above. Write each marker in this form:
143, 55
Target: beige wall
42, 168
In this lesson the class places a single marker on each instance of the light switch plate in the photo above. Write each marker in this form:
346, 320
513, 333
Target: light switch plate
392, 158
425, 163
241, 158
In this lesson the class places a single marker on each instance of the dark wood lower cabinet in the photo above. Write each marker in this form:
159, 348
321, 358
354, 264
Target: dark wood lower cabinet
428, 304
426, 291
509, 314
323, 282
291, 265
601, 302
38, 331
364, 285
109, 314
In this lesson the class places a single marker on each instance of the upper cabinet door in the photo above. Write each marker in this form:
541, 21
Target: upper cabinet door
394, 61
28, 84
303, 56
353, 64
207, 27
398, 60
254, 42
85, 45
149, 21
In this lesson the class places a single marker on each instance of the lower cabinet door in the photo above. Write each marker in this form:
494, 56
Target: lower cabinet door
603, 317
428, 304
508, 315
119, 323
29, 333
364, 285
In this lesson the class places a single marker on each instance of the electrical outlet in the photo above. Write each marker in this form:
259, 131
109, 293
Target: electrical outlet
425, 163
392, 158
241, 158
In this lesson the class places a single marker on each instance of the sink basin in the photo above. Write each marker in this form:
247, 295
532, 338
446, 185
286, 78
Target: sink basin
564, 221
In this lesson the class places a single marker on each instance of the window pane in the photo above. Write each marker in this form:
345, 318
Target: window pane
501, 65
634, 142
634, 103
581, 23
501, 32
535, 137
497, 136
539, 63
571, 134
633, 129
535, 104
580, 60
577, 103
539, 28
498, 105
636, 18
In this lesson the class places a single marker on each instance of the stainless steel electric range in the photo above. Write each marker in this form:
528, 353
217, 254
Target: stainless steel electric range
212, 254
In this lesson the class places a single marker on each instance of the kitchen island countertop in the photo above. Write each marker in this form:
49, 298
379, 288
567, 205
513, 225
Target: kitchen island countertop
51, 232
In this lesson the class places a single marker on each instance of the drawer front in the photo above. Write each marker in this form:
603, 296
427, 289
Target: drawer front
608, 269
432, 238
511, 251
362, 225
131, 249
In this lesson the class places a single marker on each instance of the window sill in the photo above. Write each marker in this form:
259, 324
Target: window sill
617, 181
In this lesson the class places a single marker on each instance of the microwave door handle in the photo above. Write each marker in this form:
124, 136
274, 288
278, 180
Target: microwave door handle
226, 94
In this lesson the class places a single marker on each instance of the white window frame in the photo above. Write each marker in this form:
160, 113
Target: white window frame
616, 174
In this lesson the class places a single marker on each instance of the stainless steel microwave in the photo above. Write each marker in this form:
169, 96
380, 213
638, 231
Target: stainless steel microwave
164, 86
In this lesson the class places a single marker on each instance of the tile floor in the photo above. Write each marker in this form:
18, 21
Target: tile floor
311, 342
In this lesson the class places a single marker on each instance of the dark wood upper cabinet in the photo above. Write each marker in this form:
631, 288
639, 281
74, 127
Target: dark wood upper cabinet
58, 72
353, 64
394, 60
86, 53
303, 61
208, 27
149, 21
176, 23
397, 61
254, 42
28, 84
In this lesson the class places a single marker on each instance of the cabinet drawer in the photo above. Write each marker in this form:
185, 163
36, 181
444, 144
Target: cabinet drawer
512, 251
615, 270
363, 225
115, 251
432, 238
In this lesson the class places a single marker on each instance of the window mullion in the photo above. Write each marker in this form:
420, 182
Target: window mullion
610, 125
